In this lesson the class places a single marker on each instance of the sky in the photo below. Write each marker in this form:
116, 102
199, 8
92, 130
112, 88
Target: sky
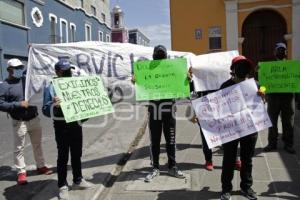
152, 17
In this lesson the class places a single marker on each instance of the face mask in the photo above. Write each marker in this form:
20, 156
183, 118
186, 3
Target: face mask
18, 73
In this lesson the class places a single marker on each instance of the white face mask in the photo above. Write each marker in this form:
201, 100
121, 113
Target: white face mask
18, 73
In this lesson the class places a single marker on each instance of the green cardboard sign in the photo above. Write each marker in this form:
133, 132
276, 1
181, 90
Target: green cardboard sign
280, 76
82, 97
161, 79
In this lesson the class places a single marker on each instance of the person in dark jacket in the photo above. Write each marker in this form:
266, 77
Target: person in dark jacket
68, 136
242, 69
281, 104
25, 119
162, 119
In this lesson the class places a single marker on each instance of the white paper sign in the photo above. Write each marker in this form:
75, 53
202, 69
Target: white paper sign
231, 113
204, 69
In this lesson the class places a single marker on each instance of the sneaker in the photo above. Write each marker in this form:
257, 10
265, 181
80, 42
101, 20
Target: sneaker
289, 149
82, 185
44, 170
225, 196
63, 193
209, 166
269, 148
176, 173
249, 194
152, 175
22, 178
238, 165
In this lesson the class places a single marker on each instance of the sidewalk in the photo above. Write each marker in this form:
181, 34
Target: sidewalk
276, 174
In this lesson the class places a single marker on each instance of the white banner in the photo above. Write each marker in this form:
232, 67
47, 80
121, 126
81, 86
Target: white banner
211, 70
112, 61
231, 113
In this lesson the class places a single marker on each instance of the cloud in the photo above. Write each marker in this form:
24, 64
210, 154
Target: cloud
158, 34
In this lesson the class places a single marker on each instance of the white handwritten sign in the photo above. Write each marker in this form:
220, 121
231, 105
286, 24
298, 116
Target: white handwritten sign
231, 113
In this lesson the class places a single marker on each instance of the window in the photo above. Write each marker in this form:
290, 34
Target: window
117, 20
81, 3
73, 30
103, 17
93, 9
101, 36
88, 32
12, 11
63, 30
215, 38
107, 38
53, 21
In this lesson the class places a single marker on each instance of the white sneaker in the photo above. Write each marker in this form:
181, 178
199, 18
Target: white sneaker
83, 185
152, 175
176, 173
63, 193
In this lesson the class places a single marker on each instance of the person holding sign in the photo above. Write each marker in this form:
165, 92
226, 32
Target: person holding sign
242, 69
284, 104
25, 120
68, 136
161, 118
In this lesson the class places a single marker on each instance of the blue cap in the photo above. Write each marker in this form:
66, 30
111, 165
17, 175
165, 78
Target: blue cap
280, 45
63, 64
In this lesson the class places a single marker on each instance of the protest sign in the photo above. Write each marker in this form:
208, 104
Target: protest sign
161, 79
211, 70
280, 76
82, 97
231, 113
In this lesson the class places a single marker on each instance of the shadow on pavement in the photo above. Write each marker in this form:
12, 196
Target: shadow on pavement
26, 192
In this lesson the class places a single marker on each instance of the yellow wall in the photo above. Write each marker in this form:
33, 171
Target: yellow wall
188, 15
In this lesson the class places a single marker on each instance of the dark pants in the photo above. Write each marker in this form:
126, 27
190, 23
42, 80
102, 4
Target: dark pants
167, 124
284, 105
206, 151
68, 138
247, 148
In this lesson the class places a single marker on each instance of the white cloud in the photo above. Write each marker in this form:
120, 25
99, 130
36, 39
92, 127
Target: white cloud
158, 34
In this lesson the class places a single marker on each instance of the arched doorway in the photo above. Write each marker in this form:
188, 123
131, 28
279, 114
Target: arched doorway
262, 29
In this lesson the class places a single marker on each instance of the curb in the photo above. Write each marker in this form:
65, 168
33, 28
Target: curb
114, 174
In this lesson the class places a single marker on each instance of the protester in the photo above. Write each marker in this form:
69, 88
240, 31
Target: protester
242, 69
68, 136
281, 104
162, 118
25, 120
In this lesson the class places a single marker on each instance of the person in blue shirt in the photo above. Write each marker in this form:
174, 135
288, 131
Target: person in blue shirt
25, 120
68, 136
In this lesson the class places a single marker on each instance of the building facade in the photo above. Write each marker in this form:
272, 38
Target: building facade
137, 37
251, 26
23, 22
121, 34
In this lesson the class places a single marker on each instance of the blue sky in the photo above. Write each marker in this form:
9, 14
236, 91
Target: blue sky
152, 17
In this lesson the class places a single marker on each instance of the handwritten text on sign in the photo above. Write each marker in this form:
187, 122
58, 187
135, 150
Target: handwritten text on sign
231, 113
82, 97
280, 76
161, 79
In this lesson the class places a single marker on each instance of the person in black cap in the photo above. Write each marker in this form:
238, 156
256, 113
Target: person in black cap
281, 104
25, 119
242, 69
68, 136
162, 119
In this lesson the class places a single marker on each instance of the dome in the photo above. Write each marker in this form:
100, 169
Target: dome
117, 9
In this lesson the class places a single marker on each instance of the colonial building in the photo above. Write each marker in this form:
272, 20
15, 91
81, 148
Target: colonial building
121, 34
23, 22
251, 26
